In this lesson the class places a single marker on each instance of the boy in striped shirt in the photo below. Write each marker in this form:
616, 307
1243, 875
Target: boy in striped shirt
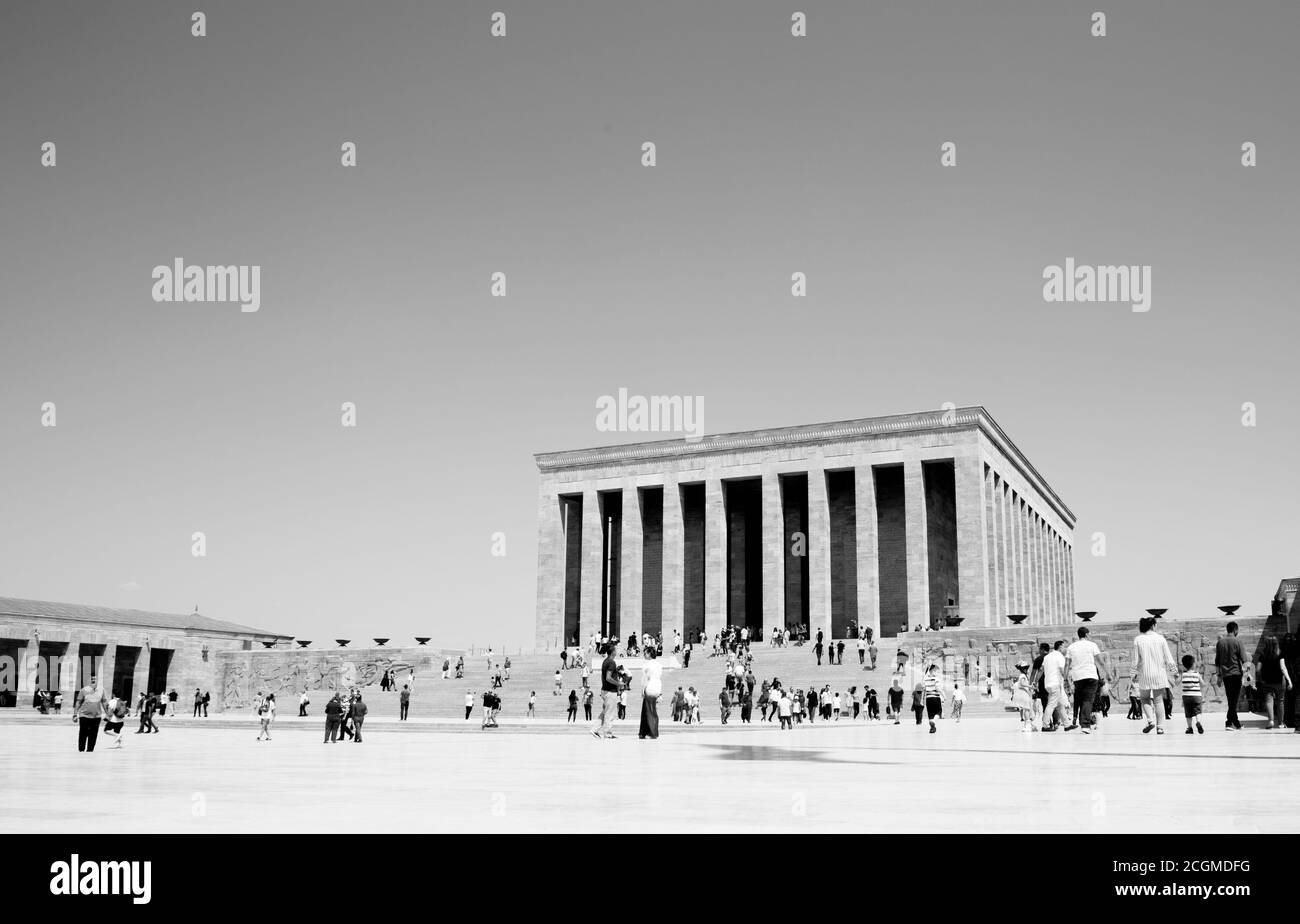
933, 695
1192, 697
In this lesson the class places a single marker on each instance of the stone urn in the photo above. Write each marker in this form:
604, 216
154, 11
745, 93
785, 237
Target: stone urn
379, 642
304, 642
1158, 612
342, 642
1230, 609
268, 644
1017, 618
422, 639
1086, 615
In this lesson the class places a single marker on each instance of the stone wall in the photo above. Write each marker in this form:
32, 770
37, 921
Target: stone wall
86, 649
286, 673
975, 653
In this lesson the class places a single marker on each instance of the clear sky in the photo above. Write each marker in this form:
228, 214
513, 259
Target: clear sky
522, 154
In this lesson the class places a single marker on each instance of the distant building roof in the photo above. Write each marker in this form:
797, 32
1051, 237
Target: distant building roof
43, 609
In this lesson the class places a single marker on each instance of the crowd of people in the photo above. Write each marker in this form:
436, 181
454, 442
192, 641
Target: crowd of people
1063, 688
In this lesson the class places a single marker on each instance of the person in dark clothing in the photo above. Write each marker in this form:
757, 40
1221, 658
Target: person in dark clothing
90, 709
405, 700
333, 710
198, 703
811, 700
359, 711
147, 724
1036, 676
1230, 662
573, 705
839, 652
207, 698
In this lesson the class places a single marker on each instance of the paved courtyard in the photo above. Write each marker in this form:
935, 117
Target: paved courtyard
980, 776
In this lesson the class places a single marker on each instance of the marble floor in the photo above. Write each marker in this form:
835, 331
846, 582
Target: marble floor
982, 775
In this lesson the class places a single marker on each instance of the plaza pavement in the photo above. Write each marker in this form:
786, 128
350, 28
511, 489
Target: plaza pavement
982, 775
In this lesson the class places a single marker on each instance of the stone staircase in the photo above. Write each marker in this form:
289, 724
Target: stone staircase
796, 666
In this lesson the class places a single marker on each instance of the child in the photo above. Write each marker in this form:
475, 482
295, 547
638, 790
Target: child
1022, 698
1103, 699
1190, 681
532, 705
958, 700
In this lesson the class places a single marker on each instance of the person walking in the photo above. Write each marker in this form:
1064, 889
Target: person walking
90, 709
359, 710
114, 718
1190, 682
611, 684
267, 714
1152, 665
587, 698
1081, 666
933, 696
1054, 684
404, 701
958, 700
532, 705
1272, 680
573, 705
895, 706
1022, 697
1230, 663
469, 704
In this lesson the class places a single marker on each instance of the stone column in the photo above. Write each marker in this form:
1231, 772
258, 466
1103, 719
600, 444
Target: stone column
715, 556
1004, 555
1014, 603
550, 571
994, 602
630, 571
593, 551
864, 493
972, 538
1067, 614
140, 677
1052, 550
674, 559
819, 554
918, 553
1069, 575
1035, 566
1026, 571
773, 555
1044, 577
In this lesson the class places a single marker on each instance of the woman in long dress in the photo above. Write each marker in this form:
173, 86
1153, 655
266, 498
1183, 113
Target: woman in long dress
652, 687
1152, 668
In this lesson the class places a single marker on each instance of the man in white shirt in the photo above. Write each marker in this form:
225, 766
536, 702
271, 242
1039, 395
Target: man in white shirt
1054, 684
1081, 660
